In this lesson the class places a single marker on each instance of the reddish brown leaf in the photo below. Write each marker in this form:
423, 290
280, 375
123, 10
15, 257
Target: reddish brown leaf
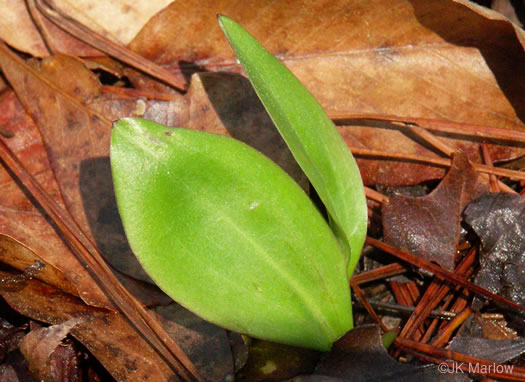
433, 59
108, 336
20, 218
429, 226
77, 141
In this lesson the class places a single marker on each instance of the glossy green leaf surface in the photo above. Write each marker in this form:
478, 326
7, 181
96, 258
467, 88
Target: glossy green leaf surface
310, 135
229, 235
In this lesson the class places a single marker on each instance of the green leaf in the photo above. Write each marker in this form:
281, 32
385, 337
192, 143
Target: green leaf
311, 136
229, 235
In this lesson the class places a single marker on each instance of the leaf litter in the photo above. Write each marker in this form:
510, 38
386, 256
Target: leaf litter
378, 68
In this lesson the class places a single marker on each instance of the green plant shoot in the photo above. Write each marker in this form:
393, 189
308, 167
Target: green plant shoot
227, 233
311, 136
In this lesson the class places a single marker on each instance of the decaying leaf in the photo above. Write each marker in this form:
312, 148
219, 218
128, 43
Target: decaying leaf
493, 350
34, 229
434, 59
269, 361
205, 344
499, 221
39, 345
361, 357
429, 226
108, 336
77, 141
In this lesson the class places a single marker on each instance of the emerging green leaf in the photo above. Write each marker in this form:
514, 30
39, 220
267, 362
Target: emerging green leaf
229, 235
311, 137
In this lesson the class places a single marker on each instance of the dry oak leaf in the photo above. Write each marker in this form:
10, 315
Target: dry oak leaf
429, 226
420, 58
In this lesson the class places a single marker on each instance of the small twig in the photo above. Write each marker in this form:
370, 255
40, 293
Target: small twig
494, 186
442, 314
442, 273
457, 128
434, 294
374, 195
438, 162
445, 333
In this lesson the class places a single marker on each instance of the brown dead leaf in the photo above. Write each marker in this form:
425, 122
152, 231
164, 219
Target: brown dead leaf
120, 20
429, 226
39, 345
108, 336
420, 58
77, 142
269, 361
20, 218
18, 256
17, 28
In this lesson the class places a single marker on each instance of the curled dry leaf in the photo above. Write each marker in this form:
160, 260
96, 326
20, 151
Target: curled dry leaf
429, 226
39, 345
108, 336
432, 59
498, 219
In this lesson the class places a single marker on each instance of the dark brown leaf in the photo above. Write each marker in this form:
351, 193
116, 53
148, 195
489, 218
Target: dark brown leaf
269, 361
360, 356
205, 344
429, 226
499, 221
493, 350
